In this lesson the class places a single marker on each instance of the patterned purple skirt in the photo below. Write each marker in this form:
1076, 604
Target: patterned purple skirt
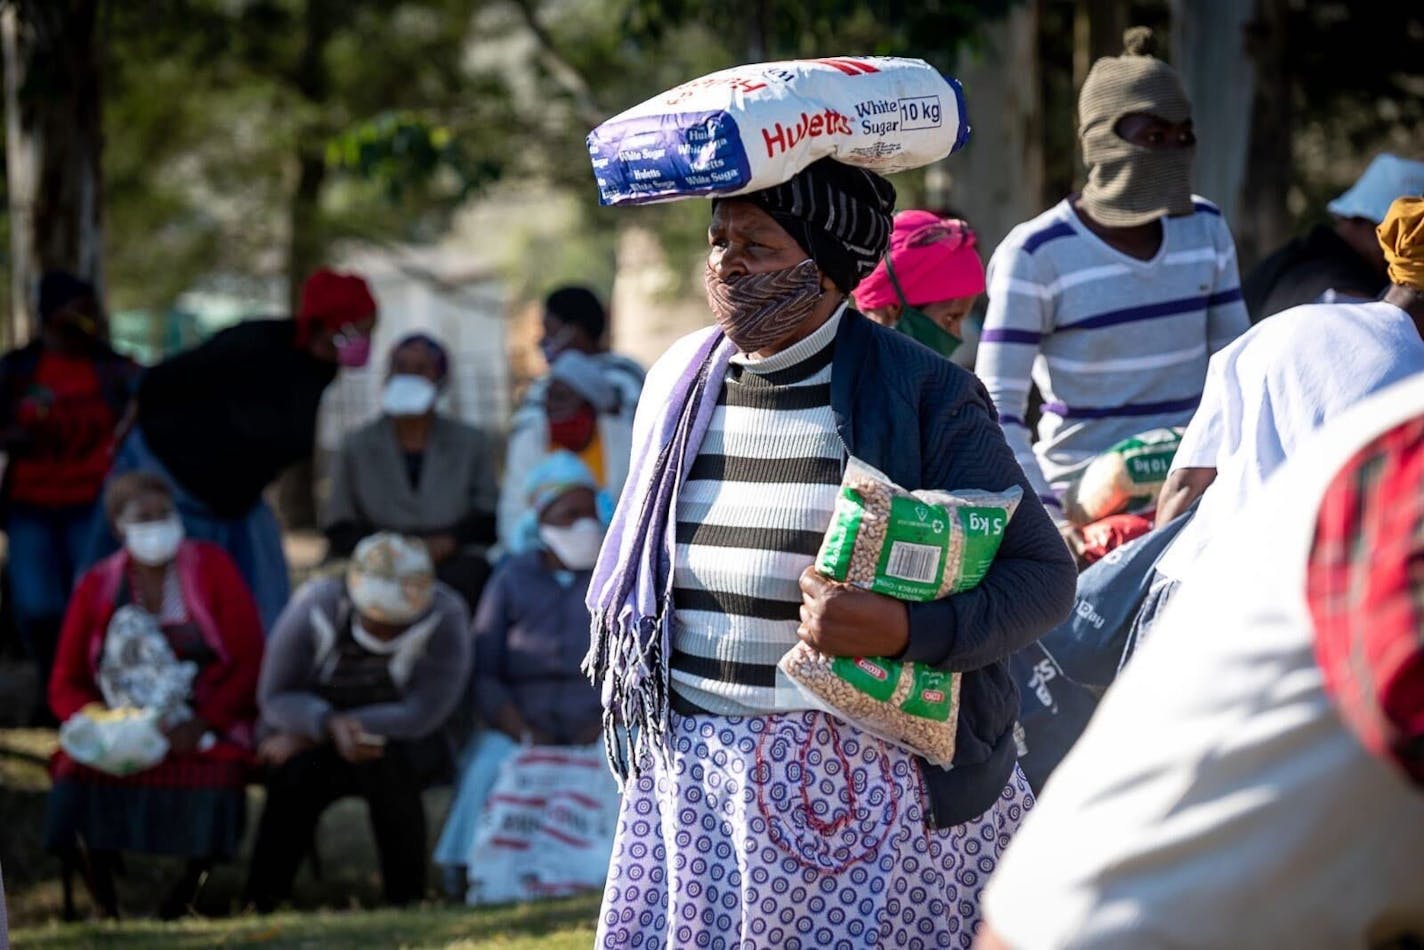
794, 830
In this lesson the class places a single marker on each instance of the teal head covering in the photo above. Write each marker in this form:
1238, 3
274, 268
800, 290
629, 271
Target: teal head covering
560, 472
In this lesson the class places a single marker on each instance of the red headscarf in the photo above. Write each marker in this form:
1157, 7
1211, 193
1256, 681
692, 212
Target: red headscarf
331, 300
934, 260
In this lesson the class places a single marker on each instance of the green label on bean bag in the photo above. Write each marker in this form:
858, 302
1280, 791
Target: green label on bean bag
931, 694
915, 546
875, 677
912, 557
1148, 467
983, 532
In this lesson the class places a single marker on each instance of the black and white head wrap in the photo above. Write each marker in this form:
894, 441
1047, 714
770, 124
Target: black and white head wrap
839, 214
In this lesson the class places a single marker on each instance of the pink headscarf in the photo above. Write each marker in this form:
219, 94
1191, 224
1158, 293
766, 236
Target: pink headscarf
934, 260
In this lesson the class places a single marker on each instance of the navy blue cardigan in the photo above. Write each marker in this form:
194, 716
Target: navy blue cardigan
929, 424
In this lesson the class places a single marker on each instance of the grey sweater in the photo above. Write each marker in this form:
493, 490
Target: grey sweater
430, 666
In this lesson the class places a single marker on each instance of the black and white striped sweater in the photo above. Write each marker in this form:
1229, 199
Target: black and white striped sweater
750, 519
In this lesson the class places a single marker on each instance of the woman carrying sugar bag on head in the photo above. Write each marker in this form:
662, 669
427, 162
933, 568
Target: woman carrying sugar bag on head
747, 820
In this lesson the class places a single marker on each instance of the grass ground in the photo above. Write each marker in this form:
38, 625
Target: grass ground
558, 925
339, 910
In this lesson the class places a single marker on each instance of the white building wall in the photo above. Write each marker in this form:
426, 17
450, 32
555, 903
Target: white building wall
466, 313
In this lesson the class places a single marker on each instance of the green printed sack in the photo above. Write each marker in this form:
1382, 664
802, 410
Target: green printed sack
916, 546
911, 705
1127, 477
920, 545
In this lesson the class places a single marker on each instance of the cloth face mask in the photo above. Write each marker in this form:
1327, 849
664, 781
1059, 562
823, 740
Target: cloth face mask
352, 350
575, 432
918, 325
758, 310
1129, 185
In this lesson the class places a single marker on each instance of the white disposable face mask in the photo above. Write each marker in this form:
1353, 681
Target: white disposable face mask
154, 542
408, 395
576, 546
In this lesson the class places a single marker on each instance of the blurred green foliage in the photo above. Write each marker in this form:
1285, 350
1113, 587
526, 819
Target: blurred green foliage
403, 152
414, 107
210, 104
411, 108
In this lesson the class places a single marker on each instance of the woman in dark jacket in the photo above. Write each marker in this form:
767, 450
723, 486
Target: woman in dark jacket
759, 818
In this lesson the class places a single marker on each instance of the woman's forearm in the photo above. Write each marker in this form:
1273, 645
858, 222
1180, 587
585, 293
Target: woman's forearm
1182, 487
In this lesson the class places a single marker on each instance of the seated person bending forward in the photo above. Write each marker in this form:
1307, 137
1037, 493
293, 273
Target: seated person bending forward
361, 677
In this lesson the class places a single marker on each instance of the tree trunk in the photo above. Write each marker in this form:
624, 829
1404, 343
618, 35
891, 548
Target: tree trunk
1002, 164
306, 248
1098, 26
53, 147
1264, 223
296, 488
758, 32
1210, 51
307, 245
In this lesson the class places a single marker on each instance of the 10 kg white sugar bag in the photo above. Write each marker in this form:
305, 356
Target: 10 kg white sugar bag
754, 126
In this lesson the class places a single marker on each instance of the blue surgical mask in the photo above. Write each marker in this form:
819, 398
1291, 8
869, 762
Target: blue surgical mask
408, 395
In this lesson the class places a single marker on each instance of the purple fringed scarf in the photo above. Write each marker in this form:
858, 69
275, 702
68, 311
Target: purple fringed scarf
630, 595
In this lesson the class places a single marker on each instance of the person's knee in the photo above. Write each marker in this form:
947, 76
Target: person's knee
397, 768
298, 774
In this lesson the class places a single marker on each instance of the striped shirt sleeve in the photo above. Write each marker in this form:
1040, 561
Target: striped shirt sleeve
1226, 316
1019, 315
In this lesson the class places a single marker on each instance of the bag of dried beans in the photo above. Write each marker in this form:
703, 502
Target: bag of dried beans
916, 546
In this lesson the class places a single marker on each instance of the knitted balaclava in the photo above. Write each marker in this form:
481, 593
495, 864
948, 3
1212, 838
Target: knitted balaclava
1127, 184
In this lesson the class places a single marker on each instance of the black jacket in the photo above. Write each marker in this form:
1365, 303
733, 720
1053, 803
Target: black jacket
929, 424
1307, 267
226, 417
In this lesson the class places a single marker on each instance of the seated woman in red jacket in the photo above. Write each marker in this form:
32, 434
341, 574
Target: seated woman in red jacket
191, 804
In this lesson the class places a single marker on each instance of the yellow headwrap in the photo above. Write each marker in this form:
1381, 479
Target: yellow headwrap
1401, 234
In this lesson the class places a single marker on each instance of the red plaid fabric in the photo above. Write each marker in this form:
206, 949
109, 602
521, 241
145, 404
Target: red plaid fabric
1365, 589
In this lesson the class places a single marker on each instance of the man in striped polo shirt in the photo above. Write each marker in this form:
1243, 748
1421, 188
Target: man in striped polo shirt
1113, 300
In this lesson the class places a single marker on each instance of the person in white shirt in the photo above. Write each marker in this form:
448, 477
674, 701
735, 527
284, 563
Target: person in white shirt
1231, 790
1280, 382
